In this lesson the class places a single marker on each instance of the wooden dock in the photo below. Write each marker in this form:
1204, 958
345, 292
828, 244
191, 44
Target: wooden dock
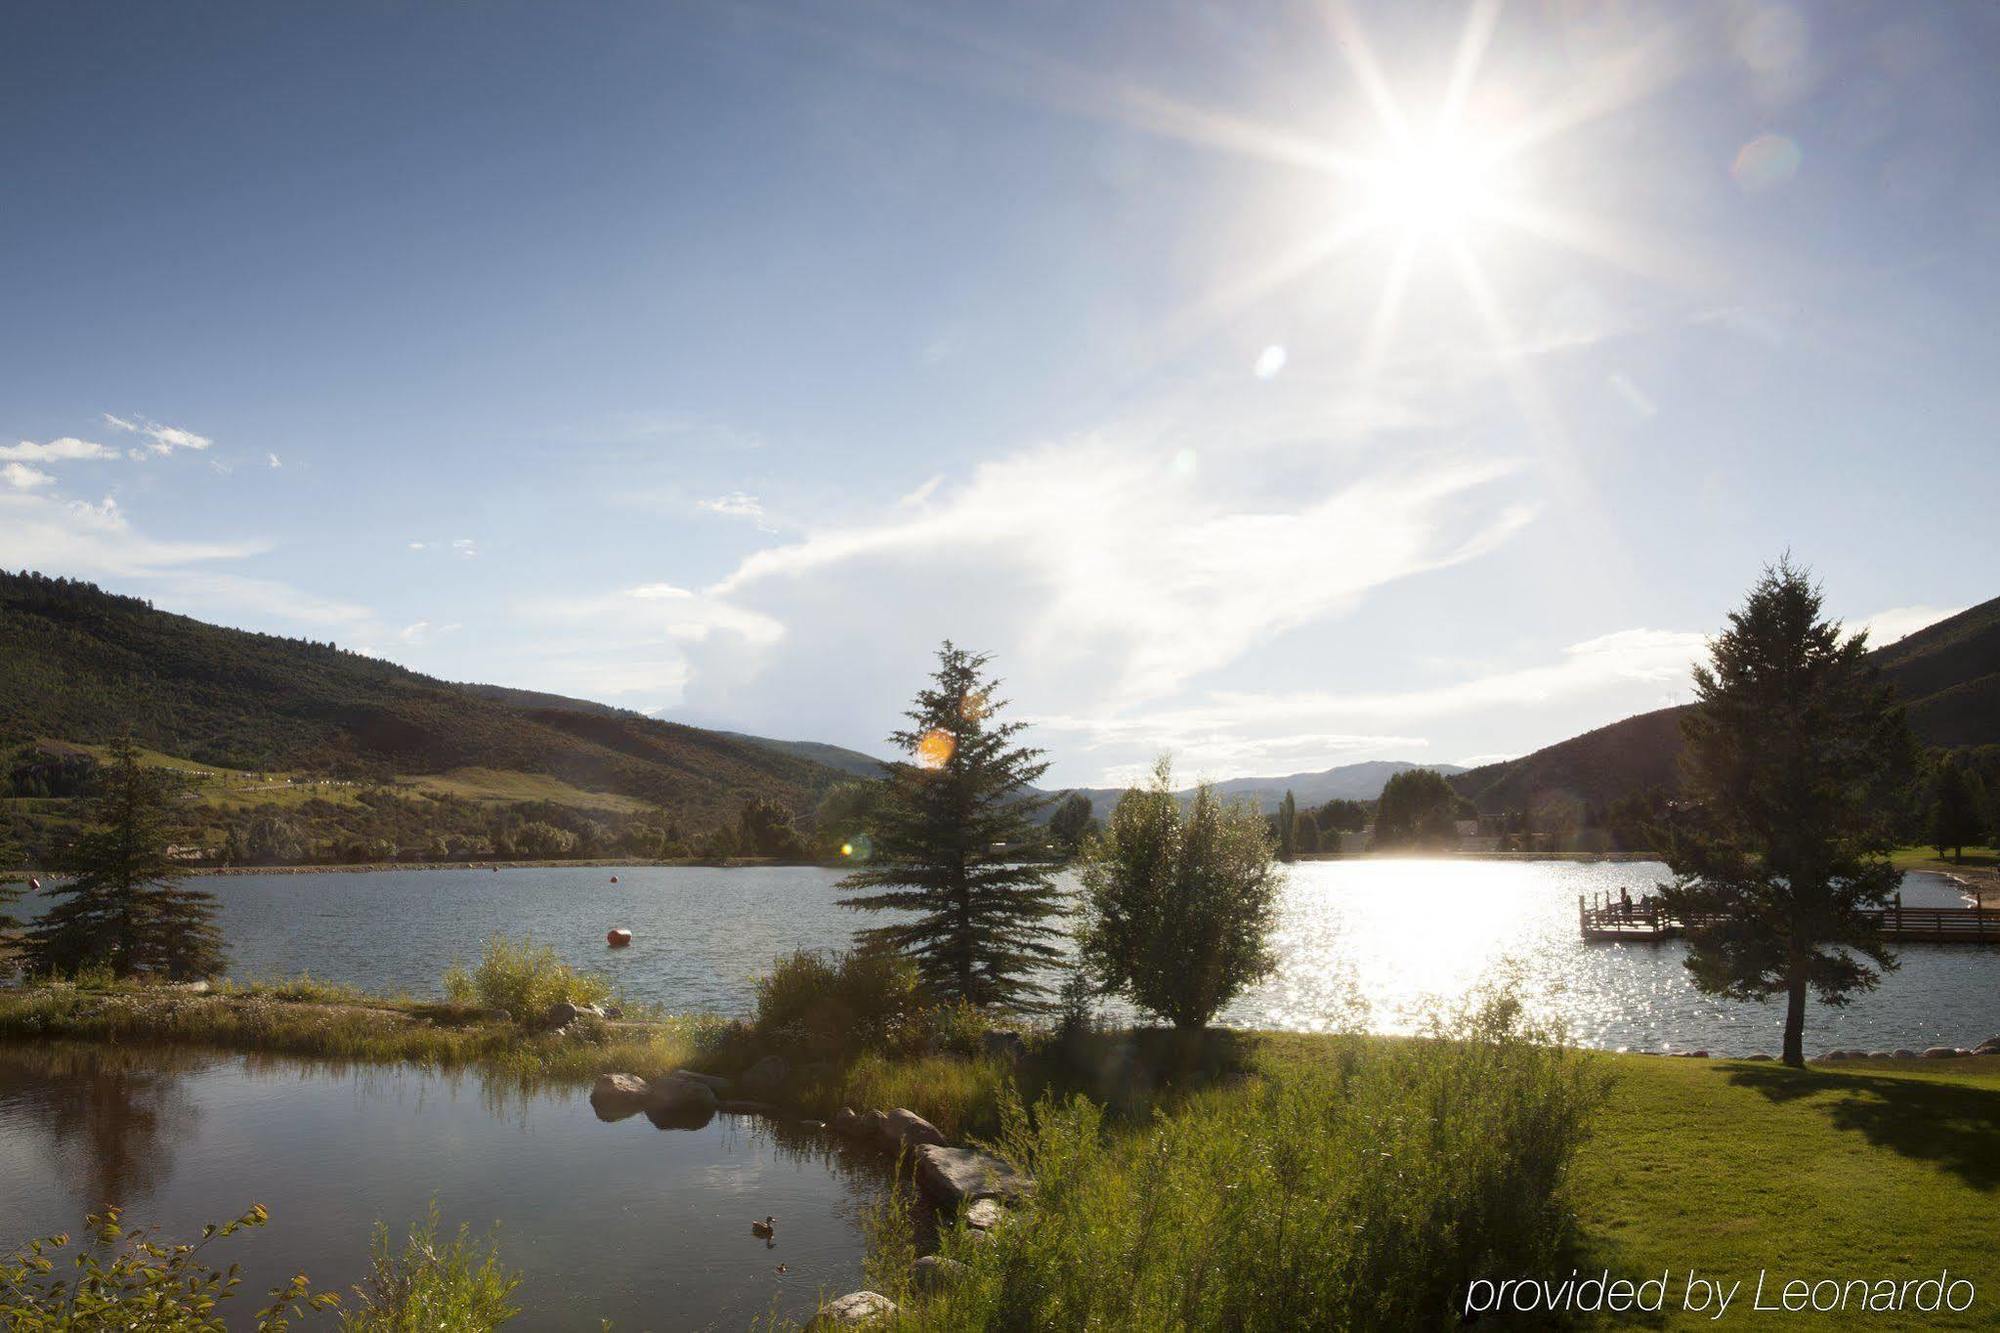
1608, 920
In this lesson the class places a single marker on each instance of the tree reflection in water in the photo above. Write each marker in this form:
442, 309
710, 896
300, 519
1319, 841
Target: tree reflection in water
112, 1115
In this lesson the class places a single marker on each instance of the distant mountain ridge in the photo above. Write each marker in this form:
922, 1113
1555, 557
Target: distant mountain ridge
1344, 782
81, 664
1947, 676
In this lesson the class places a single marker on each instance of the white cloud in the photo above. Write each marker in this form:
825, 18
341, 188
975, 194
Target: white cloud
55, 451
922, 493
736, 504
464, 547
1230, 733
414, 633
94, 540
229, 597
22, 477
1885, 627
1122, 564
418, 546
163, 439
272, 460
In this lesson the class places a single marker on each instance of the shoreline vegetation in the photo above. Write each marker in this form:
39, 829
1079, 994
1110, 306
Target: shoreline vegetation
1670, 1163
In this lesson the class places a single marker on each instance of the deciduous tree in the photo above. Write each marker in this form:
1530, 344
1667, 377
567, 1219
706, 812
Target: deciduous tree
1180, 902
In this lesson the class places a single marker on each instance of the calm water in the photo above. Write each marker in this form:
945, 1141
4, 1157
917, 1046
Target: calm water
1368, 941
646, 1227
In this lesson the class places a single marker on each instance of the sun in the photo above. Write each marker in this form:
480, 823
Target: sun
1439, 187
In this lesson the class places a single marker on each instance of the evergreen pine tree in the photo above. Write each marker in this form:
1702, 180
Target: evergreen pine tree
10, 886
121, 905
1956, 814
1795, 751
1288, 817
946, 837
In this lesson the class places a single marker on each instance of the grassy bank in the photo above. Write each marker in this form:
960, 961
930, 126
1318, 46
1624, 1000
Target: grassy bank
1861, 1170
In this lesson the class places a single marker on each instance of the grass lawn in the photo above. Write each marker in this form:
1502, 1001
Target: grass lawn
1926, 858
1861, 1170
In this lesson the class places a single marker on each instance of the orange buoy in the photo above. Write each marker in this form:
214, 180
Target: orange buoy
618, 937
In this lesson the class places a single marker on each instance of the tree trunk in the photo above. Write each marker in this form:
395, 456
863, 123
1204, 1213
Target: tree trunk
1795, 1017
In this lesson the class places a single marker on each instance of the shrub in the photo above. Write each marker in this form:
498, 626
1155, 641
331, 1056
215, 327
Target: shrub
524, 978
839, 1004
1180, 902
1359, 1192
460, 1285
130, 1280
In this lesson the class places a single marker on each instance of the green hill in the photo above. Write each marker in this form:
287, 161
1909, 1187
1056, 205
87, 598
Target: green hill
1947, 674
80, 664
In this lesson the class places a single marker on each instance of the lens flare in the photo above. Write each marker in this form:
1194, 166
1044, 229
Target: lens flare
935, 749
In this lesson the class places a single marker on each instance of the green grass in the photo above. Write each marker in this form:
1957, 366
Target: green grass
1868, 1169
1927, 858
497, 785
313, 1022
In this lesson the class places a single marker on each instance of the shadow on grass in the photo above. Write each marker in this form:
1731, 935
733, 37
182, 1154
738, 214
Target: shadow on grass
1954, 1126
1130, 1072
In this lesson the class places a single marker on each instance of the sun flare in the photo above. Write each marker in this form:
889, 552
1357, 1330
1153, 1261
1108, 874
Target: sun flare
1439, 187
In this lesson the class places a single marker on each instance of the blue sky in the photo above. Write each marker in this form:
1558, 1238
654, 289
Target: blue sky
720, 360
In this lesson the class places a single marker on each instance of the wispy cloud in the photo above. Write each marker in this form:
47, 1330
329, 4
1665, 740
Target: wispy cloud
55, 451
1239, 732
736, 504
160, 439
22, 477
272, 460
465, 548
94, 540
1885, 627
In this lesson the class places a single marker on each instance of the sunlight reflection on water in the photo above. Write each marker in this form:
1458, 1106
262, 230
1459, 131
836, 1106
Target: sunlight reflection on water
1368, 943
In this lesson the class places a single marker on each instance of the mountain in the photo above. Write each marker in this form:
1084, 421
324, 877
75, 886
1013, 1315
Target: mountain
1348, 782
851, 762
1947, 674
80, 664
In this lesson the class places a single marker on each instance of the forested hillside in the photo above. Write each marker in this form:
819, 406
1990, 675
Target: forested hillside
1948, 676
80, 664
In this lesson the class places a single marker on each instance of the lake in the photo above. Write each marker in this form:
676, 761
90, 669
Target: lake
1373, 943
646, 1227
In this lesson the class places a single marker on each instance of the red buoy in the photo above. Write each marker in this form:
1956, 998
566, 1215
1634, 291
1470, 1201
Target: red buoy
618, 937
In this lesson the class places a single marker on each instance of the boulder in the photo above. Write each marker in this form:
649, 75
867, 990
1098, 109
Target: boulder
958, 1176
1832, 1055
562, 1013
615, 1096
904, 1128
1760, 1055
1880, 1055
766, 1079
1940, 1052
934, 1272
875, 1126
678, 1096
1904, 1053
857, 1309
848, 1124
1987, 1047
715, 1081
983, 1214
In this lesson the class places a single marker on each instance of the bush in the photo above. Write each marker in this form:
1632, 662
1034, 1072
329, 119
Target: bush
1180, 902
835, 1005
130, 1280
460, 1286
1361, 1192
524, 978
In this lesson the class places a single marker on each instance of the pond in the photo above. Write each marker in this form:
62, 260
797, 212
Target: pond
1375, 943
646, 1227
